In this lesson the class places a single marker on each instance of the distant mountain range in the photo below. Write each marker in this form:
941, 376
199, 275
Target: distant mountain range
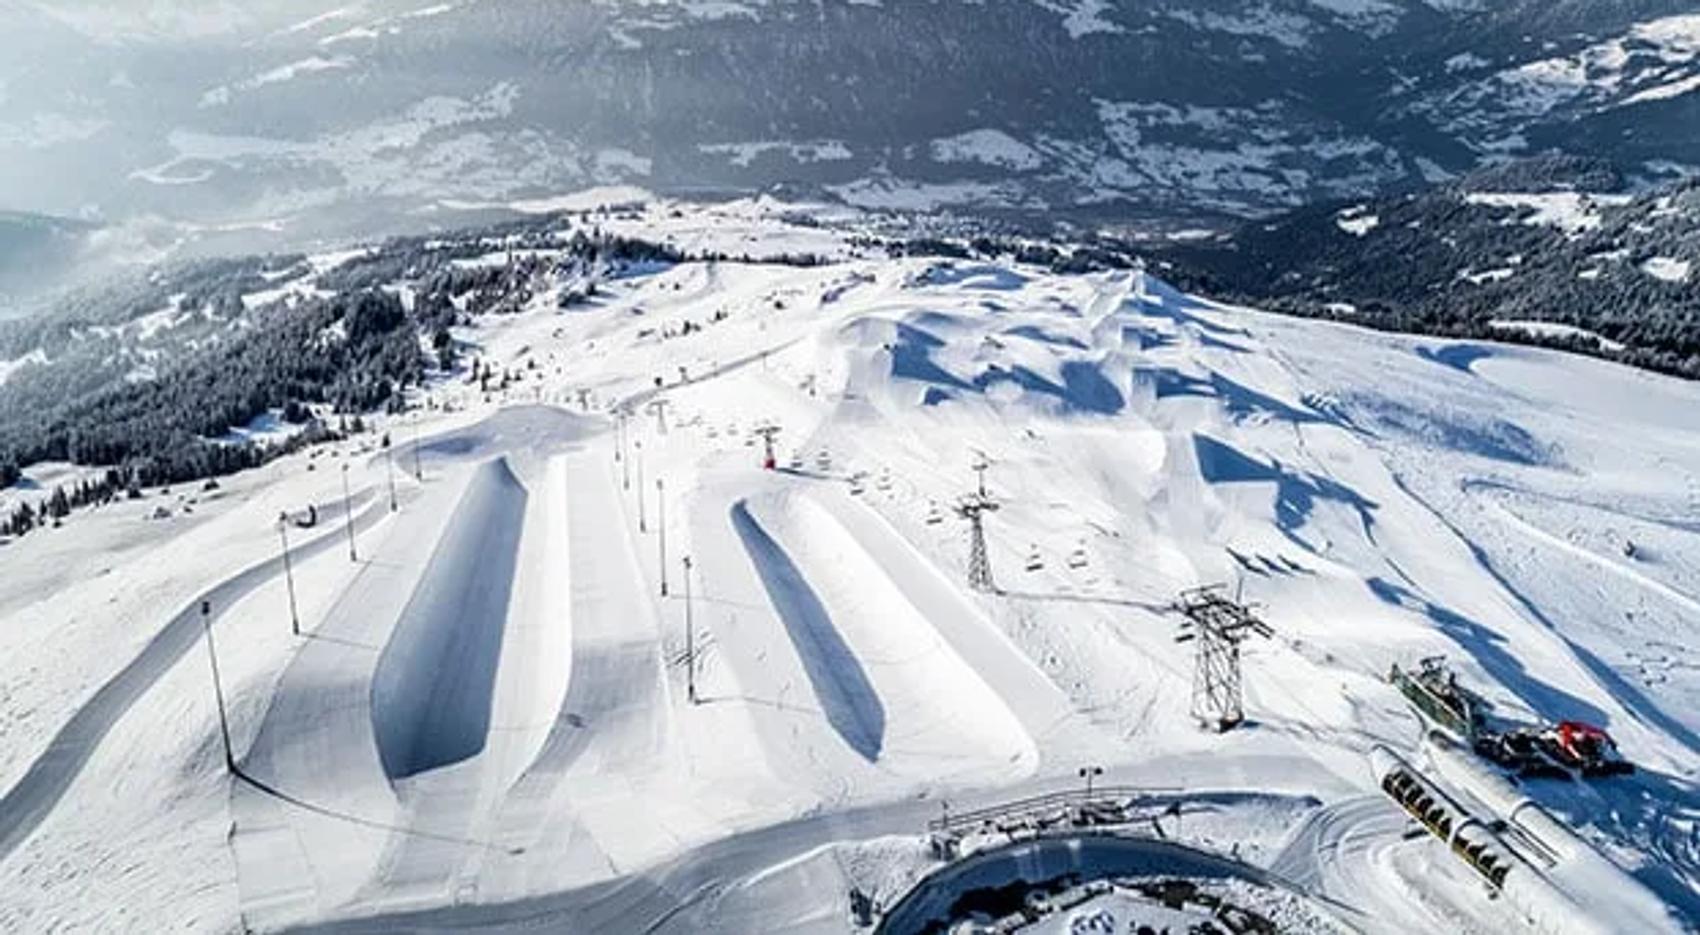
283, 120
1553, 250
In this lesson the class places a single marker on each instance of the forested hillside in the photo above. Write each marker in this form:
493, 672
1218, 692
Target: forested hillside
149, 377
1552, 250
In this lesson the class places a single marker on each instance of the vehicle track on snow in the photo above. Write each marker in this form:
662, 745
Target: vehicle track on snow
1676, 596
1333, 852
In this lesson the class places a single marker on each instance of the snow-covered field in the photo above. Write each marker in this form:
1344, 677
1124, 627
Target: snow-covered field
487, 721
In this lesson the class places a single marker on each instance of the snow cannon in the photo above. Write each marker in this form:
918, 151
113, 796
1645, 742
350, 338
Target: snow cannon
1564, 856
1548, 909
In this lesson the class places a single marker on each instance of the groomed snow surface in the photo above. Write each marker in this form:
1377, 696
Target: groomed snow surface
486, 720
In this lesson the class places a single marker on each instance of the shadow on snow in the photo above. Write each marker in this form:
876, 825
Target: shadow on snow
1296, 495
840, 683
433, 686
1238, 399
1084, 387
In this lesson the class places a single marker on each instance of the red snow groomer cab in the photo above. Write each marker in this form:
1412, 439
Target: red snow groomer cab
1586, 748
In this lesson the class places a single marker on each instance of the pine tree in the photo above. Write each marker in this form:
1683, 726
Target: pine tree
58, 506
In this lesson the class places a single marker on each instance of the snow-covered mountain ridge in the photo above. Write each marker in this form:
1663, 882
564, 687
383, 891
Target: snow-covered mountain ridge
273, 122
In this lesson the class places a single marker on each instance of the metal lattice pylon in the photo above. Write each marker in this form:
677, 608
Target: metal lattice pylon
974, 508
1217, 626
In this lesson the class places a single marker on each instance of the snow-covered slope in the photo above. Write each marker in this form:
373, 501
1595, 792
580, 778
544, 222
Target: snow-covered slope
488, 720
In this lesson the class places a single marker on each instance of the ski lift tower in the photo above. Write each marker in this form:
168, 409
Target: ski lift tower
973, 508
768, 432
1217, 626
659, 407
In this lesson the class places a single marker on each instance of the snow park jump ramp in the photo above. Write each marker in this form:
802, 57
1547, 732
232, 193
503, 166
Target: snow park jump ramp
840, 683
431, 692
423, 691
889, 683
315, 741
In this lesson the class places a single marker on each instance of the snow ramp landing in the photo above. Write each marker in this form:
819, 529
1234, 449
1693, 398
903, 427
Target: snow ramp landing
433, 688
891, 686
840, 683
